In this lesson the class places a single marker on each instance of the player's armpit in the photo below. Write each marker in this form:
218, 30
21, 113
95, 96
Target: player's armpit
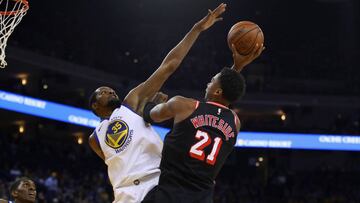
94, 144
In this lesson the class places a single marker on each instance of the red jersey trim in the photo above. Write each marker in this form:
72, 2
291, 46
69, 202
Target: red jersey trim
236, 118
197, 104
217, 104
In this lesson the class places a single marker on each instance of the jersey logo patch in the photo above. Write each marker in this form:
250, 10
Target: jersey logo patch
117, 134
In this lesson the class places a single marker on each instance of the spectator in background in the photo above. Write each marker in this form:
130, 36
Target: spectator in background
51, 184
23, 190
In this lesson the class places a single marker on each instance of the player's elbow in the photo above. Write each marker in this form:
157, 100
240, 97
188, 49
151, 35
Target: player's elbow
156, 118
161, 116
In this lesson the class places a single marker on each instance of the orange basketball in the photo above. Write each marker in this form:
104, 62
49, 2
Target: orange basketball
245, 35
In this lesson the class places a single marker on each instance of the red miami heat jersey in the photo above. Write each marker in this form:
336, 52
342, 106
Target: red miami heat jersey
197, 147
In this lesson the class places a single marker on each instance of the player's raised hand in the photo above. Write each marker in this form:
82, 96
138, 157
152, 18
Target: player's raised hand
211, 18
240, 61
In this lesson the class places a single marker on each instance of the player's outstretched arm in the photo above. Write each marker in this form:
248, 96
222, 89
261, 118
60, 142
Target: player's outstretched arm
172, 61
240, 61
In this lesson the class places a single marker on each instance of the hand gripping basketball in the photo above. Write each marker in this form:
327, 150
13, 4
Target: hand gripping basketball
246, 41
240, 61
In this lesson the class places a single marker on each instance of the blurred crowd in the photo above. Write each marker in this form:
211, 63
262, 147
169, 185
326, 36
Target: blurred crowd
64, 172
318, 186
67, 172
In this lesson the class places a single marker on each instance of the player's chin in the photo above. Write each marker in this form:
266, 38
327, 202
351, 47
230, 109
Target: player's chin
31, 197
114, 102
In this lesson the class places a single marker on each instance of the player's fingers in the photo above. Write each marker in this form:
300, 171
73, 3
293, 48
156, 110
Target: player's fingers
261, 48
218, 19
207, 15
165, 97
233, 49
256, 50
162, 96
220, 9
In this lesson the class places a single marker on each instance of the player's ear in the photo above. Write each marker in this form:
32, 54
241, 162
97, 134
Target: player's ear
94, 106
15, 193
218, 92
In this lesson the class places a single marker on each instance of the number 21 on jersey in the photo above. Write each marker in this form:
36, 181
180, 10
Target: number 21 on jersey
197, 150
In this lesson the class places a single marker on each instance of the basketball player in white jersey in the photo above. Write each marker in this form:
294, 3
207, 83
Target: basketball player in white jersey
130, 148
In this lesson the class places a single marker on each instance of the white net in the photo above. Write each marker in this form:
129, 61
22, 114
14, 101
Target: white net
11, 13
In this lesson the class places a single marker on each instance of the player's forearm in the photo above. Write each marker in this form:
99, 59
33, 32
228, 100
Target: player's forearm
178, 53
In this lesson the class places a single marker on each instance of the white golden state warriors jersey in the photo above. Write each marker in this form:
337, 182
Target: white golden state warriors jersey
132, 150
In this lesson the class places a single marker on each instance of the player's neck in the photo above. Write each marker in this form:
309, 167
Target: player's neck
220, 101
106, 114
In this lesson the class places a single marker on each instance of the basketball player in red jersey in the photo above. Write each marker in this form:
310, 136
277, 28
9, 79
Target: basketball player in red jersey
130, 148
202, 137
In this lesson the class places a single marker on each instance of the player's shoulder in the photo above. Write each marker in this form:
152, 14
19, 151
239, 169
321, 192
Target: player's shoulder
133, 99
183, 102
103, 123
183, 99
237, 120
183, 107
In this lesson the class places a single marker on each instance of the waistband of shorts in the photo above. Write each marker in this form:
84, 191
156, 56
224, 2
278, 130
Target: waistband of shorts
141, 180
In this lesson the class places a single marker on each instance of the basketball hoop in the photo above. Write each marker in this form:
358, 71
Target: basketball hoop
11, 13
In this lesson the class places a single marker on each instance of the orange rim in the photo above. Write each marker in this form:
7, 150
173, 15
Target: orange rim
24, 8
